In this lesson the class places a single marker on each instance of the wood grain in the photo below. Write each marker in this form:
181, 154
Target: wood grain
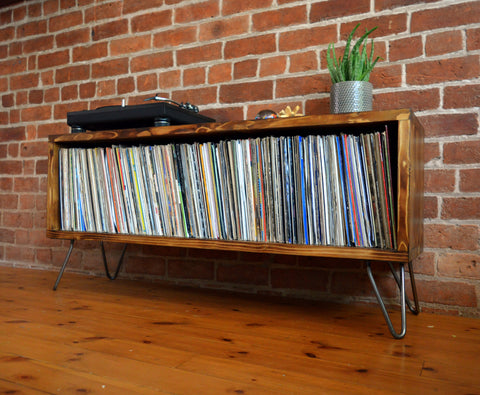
409, 156
99, 336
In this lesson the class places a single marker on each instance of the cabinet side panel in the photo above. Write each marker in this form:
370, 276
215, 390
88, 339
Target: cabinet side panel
415, 221
403, 182
53, 204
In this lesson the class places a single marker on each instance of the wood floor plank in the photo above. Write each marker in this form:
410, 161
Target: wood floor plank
224, 342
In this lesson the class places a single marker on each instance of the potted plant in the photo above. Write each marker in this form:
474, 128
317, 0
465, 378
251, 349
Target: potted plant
351, 91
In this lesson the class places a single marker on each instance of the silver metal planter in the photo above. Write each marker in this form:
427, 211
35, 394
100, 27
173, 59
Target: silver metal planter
351, 96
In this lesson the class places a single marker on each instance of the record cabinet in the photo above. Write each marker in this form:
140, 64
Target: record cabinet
251, 159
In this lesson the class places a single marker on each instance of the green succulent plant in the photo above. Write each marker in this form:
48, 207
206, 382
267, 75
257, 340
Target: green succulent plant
355, 64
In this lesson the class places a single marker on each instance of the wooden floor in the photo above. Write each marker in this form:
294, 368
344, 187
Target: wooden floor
123, 337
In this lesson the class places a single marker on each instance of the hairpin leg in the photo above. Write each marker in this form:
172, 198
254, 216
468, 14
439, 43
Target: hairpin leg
415, 310
107, 272
60, 274
401, 284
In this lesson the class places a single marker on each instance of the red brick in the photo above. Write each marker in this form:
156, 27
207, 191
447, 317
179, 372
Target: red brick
8, 100
47, 129
51, 95
35, 96
462, 152
147, 82
72, 73
20, 254
7, 34
87, 90
442, 43
234, 6
130, 6
125, 85
220, 73
461, 208
299, 279
37, 113
440, 18
175, 37
60, 110
387, 25
441, 125
6, 184
169, 79
12, 167
464, 96
190, 269
243, 274
24, 81
447, 292
25, 184
470, 180
425, 264
199, 54
105, 11
199, 96
473, 39
455, 237
269, 20
197, 11
32, 149
19, 13
152, 266
224, 28
69, 92
13, 66
389, 4
245, 69
110, 68
31, 29
94, 51
459, 265
304, 61
250, 46
417, 100
251, 91
65, 21
53, 59
129, 45
142, 23
439, 180
431, 152
195, 76
73, 37
317, 106
405, 48
50, 7
333, 9
386, 76
17, 220
274, 65
296, 86
106, 88
6, 235
304, 38
155, 61
110, 29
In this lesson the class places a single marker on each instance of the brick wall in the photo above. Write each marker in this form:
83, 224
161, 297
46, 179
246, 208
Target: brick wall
233, 58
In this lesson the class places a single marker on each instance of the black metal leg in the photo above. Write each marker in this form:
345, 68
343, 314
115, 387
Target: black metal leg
60, 274
107, 272
401, 284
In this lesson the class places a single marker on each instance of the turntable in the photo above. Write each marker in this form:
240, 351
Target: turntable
162, 112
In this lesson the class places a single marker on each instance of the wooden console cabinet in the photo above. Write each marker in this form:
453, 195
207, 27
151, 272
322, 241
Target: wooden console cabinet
406, 163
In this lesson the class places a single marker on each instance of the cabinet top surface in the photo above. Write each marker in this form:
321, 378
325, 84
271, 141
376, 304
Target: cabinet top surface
235, 126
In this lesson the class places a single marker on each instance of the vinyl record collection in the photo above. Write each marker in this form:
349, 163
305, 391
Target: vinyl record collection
304, 189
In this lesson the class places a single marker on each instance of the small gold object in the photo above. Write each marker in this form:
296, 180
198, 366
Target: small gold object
287, 112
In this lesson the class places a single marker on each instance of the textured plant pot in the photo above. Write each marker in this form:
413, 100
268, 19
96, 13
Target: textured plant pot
351, 96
